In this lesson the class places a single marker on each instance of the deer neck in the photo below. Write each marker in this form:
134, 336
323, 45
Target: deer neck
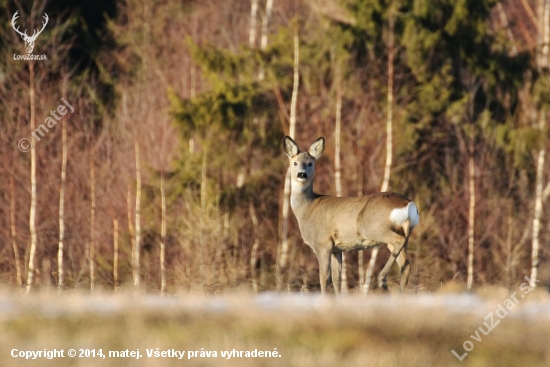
301, 196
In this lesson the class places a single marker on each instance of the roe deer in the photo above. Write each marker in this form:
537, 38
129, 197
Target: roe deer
331, 225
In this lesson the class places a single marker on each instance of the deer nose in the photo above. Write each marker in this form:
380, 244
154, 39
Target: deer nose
302, 175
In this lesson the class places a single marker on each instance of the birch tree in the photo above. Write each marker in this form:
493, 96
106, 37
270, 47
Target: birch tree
93, 245
252, 29
131, 227
471, 189
261, 75
338, 168
162, 234
265, 26
134, 220
540, 194
137, 213
286, 192
255, 247
115, 254
32, 215
471, 213
13, 232
389, 128
60, 249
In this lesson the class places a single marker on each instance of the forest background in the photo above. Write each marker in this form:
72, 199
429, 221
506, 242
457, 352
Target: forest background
169, 175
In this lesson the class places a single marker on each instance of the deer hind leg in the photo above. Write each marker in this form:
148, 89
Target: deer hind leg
324, 268
395, 248
404, 266
384, 273
336, 266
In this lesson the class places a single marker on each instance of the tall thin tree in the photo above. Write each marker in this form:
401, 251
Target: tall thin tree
252, 29
13, 225
93, 245
471, 206
60, 249
137, 214
292, 130
389, 128
115, 253
255, 247
540, 194
337, 165
32, 213
265, 27
162, 233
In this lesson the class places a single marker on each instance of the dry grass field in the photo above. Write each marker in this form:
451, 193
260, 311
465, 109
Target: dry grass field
291, 329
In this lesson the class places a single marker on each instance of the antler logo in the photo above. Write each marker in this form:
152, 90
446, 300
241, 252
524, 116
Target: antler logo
29, 40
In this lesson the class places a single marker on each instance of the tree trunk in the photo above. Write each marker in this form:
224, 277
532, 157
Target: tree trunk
60, 249
32, 215
136, 249
261, 74
202, 217
509, 253
130, 221
389, 143
546, 35
337, 130
255, 246
361, 265
286, 196
162, 235
252, 30
115, 254
538, 205
92, 221
338, 168
543, 64
18, 271
265, 24
360, 253
295, 84
471, 216
543, 10
389, 121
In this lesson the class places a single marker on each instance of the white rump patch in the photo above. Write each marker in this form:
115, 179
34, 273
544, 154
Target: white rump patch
400, 215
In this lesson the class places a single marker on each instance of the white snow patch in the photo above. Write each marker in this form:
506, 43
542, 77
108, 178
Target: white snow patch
451, 304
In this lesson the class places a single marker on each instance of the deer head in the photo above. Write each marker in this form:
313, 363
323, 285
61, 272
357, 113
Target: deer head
29, 40
302, 164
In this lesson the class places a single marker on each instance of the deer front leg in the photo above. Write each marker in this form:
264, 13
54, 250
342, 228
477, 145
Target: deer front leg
336, 267
324, 267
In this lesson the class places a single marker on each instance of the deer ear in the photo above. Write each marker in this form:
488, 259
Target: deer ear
290, 147
317, 148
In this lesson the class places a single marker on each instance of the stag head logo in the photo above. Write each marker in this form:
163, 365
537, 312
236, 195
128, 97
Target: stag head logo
29, 40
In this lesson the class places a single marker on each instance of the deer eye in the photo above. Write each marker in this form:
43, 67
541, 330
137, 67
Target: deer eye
295, 163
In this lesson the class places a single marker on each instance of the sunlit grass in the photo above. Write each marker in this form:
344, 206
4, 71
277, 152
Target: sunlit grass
307, 330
